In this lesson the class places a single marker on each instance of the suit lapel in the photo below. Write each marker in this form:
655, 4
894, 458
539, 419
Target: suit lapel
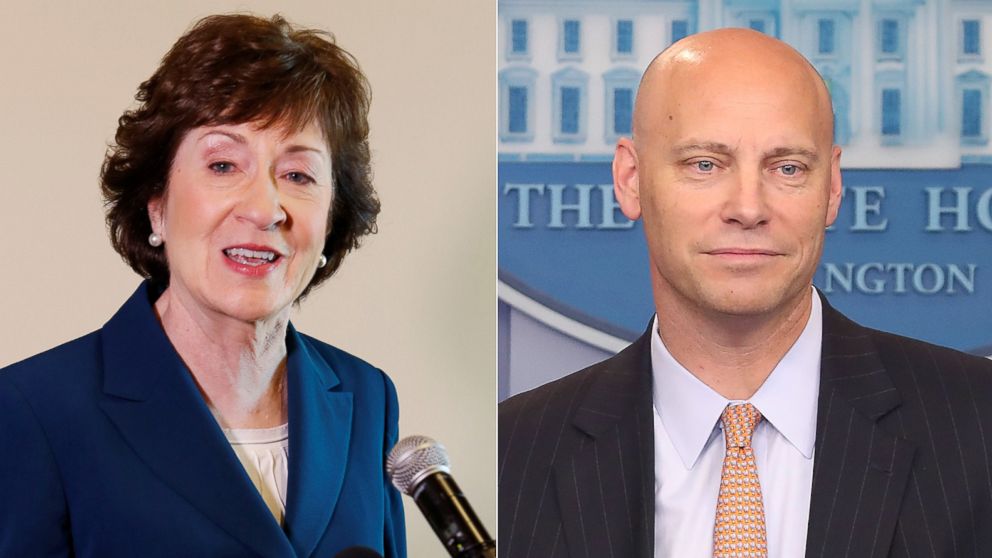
319, 436
150, 396
860, 470
605, 482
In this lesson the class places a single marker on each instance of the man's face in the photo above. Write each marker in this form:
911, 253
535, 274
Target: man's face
737, 180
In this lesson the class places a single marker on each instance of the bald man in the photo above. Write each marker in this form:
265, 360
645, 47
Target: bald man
750, 416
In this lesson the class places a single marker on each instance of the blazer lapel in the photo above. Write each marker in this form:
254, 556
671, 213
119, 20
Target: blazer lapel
860, 470
605, 483
151, 398
319, 435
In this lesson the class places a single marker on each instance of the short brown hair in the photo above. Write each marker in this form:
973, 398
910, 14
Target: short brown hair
232, 69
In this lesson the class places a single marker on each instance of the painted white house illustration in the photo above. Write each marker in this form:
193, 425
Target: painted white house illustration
909, 79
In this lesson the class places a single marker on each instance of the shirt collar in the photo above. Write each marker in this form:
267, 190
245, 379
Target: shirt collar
690, 410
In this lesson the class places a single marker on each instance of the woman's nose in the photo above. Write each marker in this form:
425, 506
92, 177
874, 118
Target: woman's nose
261, 204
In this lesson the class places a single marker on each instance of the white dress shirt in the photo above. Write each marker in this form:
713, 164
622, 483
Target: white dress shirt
689, 448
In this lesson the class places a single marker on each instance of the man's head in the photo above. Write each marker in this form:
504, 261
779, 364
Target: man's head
733, 168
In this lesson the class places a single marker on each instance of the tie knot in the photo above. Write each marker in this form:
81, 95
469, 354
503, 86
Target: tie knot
738, 424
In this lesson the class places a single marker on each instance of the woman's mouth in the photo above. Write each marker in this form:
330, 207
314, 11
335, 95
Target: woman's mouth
254, 258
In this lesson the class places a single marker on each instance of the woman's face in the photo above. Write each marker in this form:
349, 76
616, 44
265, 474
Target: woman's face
244, 217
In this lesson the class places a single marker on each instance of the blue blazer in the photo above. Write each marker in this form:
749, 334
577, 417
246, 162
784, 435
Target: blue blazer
108, 449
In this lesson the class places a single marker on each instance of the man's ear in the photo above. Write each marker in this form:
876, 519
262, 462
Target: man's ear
836, 186
626, 184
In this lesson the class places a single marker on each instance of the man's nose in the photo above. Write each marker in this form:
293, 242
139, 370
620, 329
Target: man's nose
261, 204
746, 203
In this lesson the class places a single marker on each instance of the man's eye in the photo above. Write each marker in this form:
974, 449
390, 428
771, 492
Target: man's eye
789, 170
705, 166
222, 167
299, 178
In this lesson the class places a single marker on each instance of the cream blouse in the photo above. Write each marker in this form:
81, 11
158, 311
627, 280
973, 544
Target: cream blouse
264, 453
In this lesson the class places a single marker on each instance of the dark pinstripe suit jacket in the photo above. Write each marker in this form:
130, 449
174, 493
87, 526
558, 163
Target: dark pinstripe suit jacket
901, 468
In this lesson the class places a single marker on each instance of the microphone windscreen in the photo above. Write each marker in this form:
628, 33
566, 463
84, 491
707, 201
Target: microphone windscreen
358, 552
413, 459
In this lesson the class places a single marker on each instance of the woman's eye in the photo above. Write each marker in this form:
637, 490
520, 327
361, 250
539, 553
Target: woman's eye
705, 166
299, 178
222, 167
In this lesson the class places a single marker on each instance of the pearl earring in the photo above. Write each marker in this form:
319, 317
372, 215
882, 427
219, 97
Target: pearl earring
322, 261
155, 239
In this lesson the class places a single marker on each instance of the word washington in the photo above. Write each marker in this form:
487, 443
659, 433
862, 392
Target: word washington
876, 278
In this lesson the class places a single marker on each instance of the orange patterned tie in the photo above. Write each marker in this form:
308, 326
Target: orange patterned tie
739, 530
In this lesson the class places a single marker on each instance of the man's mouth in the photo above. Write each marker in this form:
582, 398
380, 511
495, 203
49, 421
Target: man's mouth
743, 252
254, 258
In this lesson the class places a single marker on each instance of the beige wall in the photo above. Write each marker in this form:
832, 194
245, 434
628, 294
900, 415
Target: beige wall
418, 299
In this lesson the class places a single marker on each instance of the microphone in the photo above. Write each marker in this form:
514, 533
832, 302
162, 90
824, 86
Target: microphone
358, 552
418, 467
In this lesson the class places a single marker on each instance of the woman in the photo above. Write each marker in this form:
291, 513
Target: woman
197, 421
